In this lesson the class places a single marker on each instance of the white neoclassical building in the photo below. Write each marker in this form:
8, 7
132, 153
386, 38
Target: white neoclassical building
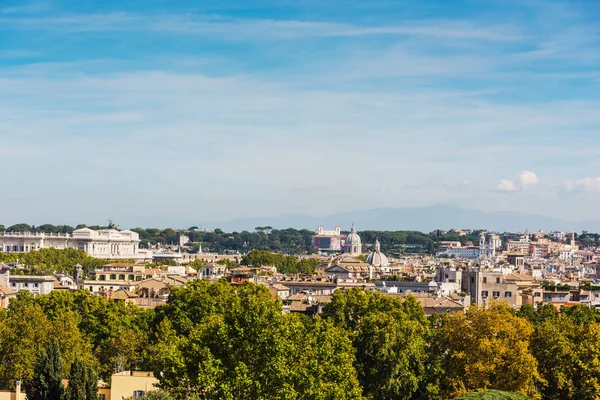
106, 243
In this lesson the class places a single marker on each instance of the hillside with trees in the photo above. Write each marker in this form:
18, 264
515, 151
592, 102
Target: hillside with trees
217, 341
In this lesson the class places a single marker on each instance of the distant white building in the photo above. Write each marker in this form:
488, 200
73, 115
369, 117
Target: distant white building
467, 252
104, 244
212, 270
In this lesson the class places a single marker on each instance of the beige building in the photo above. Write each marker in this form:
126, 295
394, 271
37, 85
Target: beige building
129, 384
8, 395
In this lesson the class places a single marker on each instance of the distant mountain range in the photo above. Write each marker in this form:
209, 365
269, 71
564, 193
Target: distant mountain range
424, 219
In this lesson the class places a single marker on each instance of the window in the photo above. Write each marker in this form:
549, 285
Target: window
13, 284
507, 294
91, 288
36, 285
113, 277
497, 280
472, 279
102, 277
131, 277
102, 397
138, 394
26, 284
484, 294
484, 280
538, 294
496, 294
121, 277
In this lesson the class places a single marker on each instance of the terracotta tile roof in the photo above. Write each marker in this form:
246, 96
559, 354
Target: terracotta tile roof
122, 295
7, 291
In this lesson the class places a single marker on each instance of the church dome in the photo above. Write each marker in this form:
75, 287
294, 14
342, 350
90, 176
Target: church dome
376, 258
353, 244
353, 238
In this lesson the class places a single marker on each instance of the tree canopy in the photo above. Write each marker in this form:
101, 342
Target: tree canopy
218, 341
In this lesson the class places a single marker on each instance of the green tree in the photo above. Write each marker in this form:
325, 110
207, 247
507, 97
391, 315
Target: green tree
222, 342
492, 395
389, 337
47, 381
568, 357
24, 334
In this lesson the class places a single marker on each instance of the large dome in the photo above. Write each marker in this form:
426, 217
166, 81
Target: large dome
376, 258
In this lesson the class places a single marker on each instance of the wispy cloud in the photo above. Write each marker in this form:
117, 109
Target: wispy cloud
265, 28
584, 184
8, 54
31, 8
214, 104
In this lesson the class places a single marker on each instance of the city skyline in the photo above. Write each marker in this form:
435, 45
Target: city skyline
221, 111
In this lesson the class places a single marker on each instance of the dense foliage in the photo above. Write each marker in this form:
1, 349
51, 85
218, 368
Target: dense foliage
284, 264
48, 261
217, 341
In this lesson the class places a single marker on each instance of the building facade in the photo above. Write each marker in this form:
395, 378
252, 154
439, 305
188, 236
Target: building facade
328, 240
104, 244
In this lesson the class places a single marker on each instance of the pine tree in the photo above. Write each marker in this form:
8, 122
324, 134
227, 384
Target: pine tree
47, 380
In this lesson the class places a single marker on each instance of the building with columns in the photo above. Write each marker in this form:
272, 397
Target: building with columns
105, 244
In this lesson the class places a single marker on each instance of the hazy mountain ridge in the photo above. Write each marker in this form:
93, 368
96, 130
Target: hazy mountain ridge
423, 219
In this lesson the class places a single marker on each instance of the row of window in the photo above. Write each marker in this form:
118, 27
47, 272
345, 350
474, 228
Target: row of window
496, 295
113, 277
485, 279
19, 249
26, 284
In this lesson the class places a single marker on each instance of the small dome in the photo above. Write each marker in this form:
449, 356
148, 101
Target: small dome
376, 258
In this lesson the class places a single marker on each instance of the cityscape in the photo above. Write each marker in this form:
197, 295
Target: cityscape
530, 283
300, 200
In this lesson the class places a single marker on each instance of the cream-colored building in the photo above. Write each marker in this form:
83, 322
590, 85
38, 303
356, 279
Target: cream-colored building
104, 244
129, 384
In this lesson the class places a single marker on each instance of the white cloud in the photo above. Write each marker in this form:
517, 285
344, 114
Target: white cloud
522, 181
506, 185
584, 184
526, 179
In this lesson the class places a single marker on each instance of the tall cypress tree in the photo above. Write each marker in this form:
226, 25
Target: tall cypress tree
83, 381
47, 380
91, 383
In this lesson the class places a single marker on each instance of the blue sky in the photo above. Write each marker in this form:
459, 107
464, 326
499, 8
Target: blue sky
154, 111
